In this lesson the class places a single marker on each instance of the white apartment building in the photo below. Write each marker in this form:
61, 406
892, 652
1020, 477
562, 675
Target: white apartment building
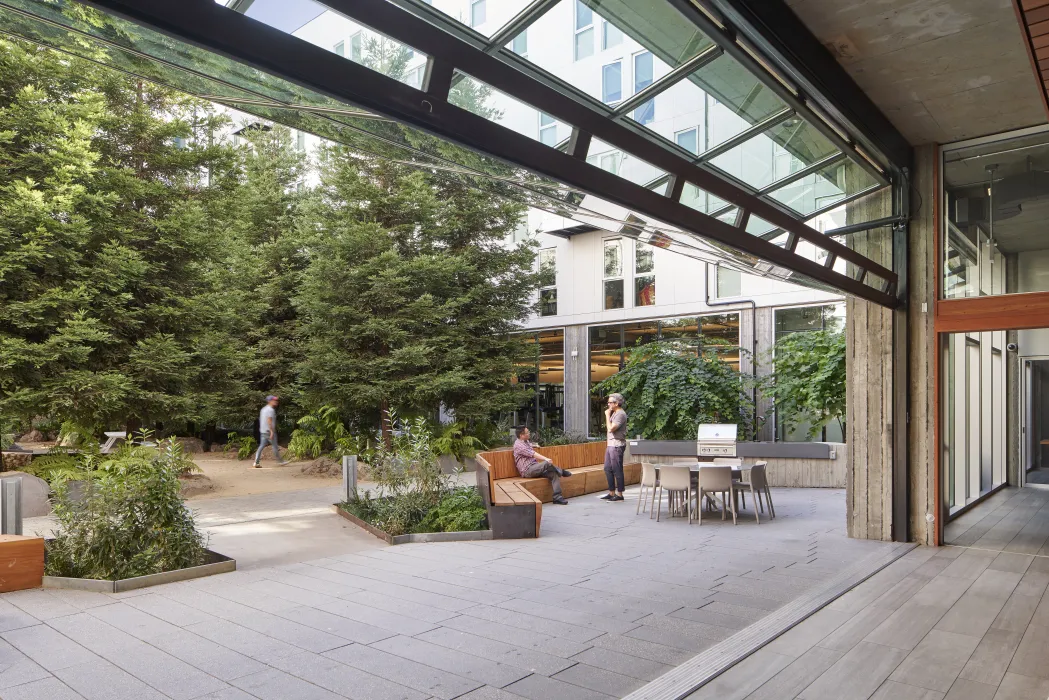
607, 289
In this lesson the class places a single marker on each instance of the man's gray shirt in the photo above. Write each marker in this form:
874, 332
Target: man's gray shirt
265, 415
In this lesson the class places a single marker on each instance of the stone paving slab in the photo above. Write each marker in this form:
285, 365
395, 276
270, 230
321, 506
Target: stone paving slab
605, 602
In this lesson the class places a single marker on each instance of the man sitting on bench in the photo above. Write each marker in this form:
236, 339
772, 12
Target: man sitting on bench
531, 464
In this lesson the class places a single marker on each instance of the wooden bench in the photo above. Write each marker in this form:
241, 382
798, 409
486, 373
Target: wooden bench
515, 503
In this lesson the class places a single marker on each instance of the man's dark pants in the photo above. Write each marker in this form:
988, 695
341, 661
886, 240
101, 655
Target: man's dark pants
614, 468
549, 471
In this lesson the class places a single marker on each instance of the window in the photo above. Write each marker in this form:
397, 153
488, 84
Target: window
340, 48
610, 35
609, 161
548, 282
478, 14
300, 140
520, 44
612, 82
414, 77
642, 79
688, 139
800, 320
613, 273
644, 275
180, 142
356, 43
584, 31
547, 129
730, 282
544, 382
520, 232
719, 332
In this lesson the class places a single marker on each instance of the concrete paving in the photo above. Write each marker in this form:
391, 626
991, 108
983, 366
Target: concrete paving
604, 602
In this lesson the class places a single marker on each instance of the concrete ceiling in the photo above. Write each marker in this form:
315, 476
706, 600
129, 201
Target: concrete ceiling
941, 70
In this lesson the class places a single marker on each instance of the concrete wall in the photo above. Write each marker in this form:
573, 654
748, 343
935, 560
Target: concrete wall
793, 473
868, 330
577, 379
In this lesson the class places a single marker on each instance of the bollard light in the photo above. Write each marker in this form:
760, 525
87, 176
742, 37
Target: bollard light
11, 506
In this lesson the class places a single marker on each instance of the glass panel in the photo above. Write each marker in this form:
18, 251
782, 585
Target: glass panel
485, 16
633, 27
781, 151
625, 165
701, 200
613, 294
730, 282
612, 82
520, 44
611, 36
679, 329
614, 258
482, 99
823, 188
644, 258
643, 67
645, 290
995, 239
757, 226
723, 95
688, 139
548, 302
548, 267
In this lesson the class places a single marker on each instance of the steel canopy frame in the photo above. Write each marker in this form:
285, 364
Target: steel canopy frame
213, 27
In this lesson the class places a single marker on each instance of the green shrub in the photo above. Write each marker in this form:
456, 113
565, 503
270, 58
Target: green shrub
130, 521
323, 432
551, 437
245, 446
461, 510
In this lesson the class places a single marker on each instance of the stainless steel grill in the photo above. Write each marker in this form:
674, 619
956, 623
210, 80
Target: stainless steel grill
716, 440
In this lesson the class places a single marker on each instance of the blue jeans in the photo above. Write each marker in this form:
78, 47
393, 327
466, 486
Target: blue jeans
267, 440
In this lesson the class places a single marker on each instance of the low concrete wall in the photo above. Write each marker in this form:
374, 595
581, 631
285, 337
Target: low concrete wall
828, 473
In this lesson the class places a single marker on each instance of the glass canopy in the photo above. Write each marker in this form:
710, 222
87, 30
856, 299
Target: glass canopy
675, 101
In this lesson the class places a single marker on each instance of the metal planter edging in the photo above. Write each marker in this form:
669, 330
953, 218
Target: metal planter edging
467, 536
220, 564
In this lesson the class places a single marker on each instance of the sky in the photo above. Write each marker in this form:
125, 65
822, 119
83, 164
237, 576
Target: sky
286, 15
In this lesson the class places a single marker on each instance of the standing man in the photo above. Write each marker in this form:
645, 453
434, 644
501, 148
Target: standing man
615, 425
268, 430
531, 464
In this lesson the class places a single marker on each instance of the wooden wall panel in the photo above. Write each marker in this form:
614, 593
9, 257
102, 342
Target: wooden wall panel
1005, 312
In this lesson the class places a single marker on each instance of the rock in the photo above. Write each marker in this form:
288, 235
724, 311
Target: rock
13, 460
32, 436
34, 494
191, 445
195, 484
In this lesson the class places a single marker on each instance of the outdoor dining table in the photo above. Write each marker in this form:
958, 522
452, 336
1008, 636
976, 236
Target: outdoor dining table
737, 473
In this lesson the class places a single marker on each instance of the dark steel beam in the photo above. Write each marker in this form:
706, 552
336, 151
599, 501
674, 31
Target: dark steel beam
211, 26
865, 226
745, 135
775, 29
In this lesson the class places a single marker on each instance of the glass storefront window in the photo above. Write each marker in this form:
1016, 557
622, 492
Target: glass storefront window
804, 319
995, 193
548, 282
718, 331
613, 273
545, 382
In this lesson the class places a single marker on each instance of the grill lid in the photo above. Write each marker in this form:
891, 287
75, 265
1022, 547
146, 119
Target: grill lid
716, 432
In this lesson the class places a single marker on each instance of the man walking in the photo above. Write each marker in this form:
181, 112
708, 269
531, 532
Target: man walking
615, 425
531, 464
268, 430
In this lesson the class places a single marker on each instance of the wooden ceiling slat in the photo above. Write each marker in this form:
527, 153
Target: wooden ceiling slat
1041, 53
1040, 42
1033, 4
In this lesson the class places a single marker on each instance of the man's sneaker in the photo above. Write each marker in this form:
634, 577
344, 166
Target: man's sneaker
281, 464
565, 472
618, 498
561, 501
608, 497
257, 466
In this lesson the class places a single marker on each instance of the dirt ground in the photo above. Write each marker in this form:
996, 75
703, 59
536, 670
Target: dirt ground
233, 477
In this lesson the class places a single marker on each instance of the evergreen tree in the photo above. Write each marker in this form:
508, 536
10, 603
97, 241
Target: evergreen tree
411, 295
104, 242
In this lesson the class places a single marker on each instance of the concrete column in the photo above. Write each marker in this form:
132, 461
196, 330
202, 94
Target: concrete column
923, 350
577, 380
764, 333
869, 346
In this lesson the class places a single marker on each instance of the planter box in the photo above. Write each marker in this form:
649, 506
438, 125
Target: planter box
471, 536
216, 564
